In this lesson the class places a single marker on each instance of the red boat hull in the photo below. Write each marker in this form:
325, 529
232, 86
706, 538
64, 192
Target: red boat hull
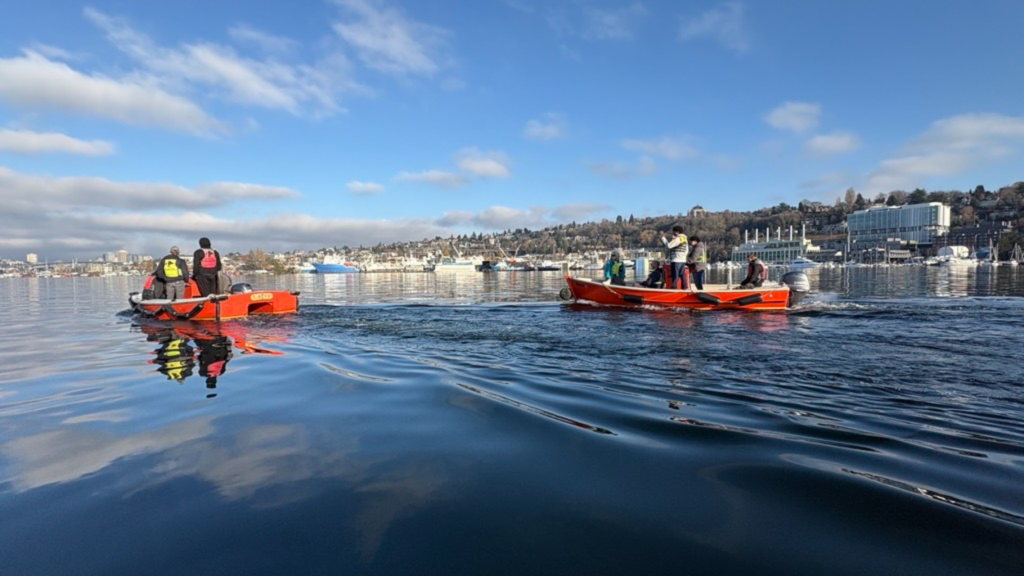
217, 306
774, 297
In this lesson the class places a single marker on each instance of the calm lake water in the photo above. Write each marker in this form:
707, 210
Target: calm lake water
472, 424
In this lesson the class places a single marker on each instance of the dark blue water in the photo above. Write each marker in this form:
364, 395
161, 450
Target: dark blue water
472, 424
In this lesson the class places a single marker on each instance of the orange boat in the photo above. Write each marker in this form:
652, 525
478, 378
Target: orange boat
786, 294
240, 301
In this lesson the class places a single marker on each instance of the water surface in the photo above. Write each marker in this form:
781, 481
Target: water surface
473, 424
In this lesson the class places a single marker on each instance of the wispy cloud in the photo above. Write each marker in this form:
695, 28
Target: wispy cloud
669, 148
28, 142
550, 126
798, 117
271, 43
612, 24
482, 164
949, 147
265, 83
579, 211
388, 41
434, 177
724, 23
364, 188
835, 143
615, 170
35, 82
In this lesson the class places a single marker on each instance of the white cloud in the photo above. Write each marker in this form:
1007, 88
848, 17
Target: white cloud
482, 164
550, 127
35, 82
434, 177
579, 211
28, 142
265, 83
645, 166
612, 24
390, 42
799, 117
266, 41
26, 193
724, 24
668, 148
835, 143
949, 147
364, 188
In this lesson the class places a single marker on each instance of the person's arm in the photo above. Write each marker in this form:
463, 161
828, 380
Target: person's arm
219, 265
159, 270
197, 257
607, 269
184, 268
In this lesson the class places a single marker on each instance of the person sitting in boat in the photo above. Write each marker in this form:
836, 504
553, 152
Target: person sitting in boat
656, 279
615, 269
172, 271
757, 272
677, 251
697, 261
206, 266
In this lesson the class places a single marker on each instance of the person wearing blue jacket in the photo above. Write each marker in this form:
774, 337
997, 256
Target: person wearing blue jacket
615, 269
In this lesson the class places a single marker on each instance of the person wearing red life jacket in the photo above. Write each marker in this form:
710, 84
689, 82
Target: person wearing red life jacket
205, 267
757, 272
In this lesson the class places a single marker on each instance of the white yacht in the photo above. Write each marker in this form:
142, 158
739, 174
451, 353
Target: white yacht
801, 263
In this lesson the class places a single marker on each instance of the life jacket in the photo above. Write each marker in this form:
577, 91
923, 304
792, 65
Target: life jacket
764, 269
617, 268
678, 254
171, 271
702, 258
209, 259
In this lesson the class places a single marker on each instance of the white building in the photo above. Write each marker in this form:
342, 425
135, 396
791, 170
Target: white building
919, 223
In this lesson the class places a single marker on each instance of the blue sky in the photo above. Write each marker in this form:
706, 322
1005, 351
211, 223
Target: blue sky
301, 124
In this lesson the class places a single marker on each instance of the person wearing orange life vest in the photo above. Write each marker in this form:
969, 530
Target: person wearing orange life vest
173, 272
205, 267
757, 272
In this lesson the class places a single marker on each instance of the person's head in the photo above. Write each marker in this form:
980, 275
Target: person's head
655, 264
694, 239
204, 242
616, 254
174, 251
677, 229
751, 257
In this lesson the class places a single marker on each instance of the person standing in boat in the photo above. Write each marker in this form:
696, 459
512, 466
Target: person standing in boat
757, 272
615, 269
205, 267
677, 251
172, 271
697, 261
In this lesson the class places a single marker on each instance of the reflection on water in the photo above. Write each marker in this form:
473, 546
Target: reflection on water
471, 423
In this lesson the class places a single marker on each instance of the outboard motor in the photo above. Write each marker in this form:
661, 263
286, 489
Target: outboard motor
799, 286
241, 287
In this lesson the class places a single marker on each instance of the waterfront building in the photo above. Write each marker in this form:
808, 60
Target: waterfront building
976, 237
32, 258
919, 223
777, 250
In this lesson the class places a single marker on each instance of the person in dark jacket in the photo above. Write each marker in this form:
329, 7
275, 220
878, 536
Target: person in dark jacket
173, 272
757, 272
656, 279
697, 261
206, 266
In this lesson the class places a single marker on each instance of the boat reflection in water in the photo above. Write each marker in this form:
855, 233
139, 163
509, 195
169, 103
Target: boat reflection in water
185, 346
